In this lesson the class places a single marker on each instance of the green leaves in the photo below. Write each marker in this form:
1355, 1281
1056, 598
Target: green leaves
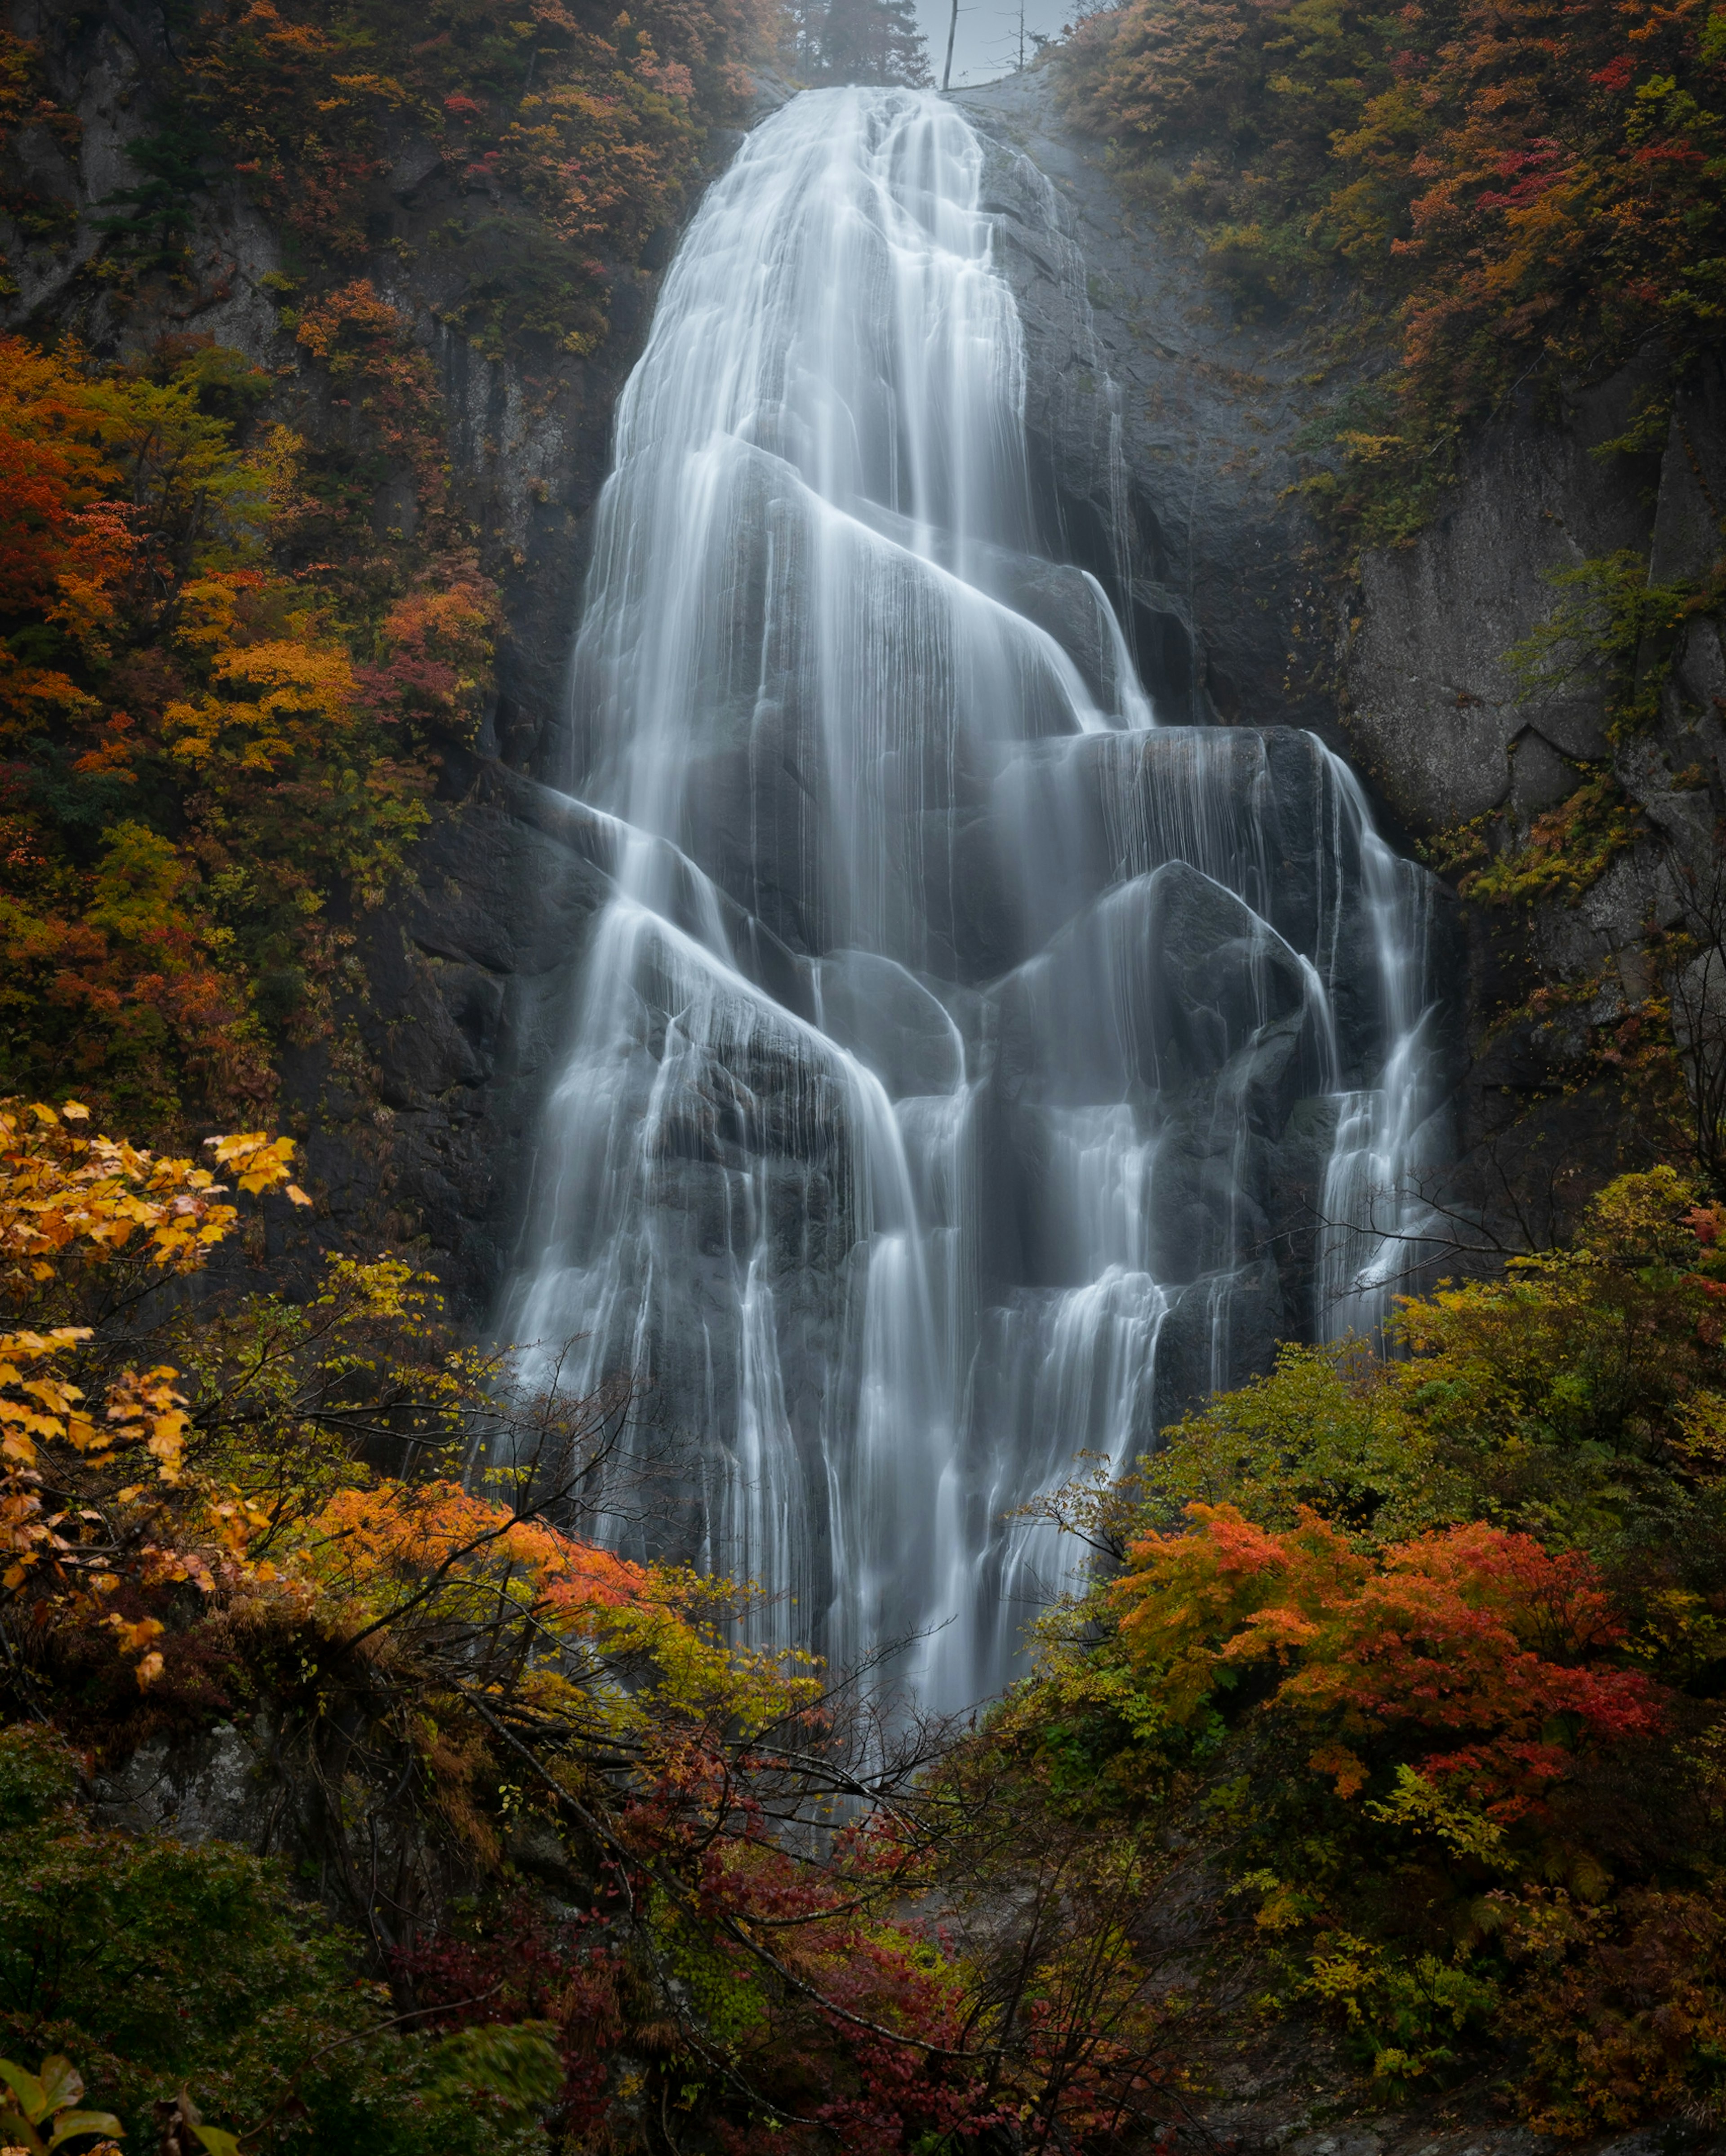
43, 2116
516, 2064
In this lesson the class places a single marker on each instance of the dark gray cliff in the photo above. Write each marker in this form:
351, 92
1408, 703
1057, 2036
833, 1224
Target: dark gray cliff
1144, 389
1242, 615
1164, 439
414, 1117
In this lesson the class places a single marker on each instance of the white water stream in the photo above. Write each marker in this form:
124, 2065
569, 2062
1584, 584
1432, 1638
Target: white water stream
961, 1059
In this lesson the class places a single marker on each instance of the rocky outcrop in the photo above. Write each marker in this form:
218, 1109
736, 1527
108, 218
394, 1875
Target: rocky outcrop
1559, 984
1165, 429
1150, 391
1164, 432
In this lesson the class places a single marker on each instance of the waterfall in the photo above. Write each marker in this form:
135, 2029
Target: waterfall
965, 1067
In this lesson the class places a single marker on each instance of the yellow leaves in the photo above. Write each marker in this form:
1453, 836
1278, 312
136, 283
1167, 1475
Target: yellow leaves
144, 1410
34, 1408
287, 695
1372, 448
1346, 1767
292, 679
382, 86
1702, 1421
278, 464
381, 1287
65, 1196
258, 1162
210, 614
277, 690
41, 1408
67, 1199
1680, 1630
233, 1522
1639, 1217
137, 1640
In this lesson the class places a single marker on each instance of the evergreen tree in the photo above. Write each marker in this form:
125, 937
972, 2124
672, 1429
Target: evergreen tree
860, 41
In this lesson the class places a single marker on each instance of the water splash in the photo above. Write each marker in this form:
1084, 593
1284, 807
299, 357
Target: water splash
961, 1060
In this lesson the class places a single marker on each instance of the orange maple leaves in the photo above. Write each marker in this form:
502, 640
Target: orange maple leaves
1481, 1655
375, 1538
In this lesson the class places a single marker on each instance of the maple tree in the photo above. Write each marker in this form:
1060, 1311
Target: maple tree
1472, 1641
195, 1511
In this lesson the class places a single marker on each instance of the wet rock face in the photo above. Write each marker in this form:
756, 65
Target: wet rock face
1449, 736
420, 1117
1435, 713
956, 1072
1162, 431
1137, 370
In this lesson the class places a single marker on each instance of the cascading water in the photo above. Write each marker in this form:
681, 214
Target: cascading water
961, 1060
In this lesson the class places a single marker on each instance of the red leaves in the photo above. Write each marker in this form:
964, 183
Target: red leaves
1472, 1654
437, 653
525, 1966
1534, 170
1529, 179
67, 544
1667, 153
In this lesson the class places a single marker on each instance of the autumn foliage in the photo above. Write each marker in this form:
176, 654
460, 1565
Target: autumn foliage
1464, 1652
1427, 1653
1520, 194
573, 133
203, 753
196, 1524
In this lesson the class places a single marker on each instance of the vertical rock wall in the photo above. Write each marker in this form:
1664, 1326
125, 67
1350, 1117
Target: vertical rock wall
413, 1116
1243, 615
1164, 436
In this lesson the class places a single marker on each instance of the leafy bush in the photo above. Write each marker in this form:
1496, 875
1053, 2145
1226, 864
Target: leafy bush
196, 767
161, 1966
1426, 1655
40, 2111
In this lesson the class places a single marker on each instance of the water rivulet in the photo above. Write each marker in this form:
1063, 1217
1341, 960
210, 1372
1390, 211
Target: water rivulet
965, 1069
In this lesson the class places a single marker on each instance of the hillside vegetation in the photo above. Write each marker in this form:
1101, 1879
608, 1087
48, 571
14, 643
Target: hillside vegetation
354, 1795
1407, 1677
1511, 194
227, 681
